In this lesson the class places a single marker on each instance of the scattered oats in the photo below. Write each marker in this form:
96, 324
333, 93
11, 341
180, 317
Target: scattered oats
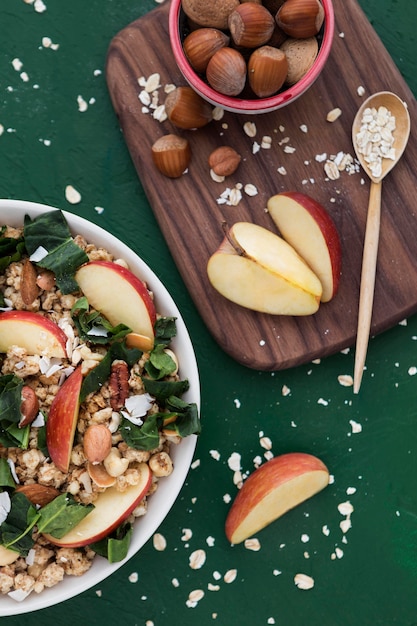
82, 104
269, 455
149, 622
187, 533
99, 593
325, 530
306, 555
256, 147
17, 64
215, 454
356, 427
252, 544
345, 525
234, 462
169, 87
175, 582
72, 195
97, 73
217, 575
266, 142
134, 577
403, 323
350, 491
160, 114
210, 541
304, 128
293, 424
276, 572
271, 620
285, 391
216, 177
99, 209
237, 403
218, 113
266, 443
257, 461
316, 361
144, 97
331, 479
230, 576
281, 170
360, 90
331, 170
334, 114
195, 464
235, 196
345, 508
283, 141
47, 43
303, 581
159, 542
153, 82
412, 371
342, 35
197, 559
250, 129
227, 498
1, 129
320, 158
24, 76
212, 587
194, 597
323, 401
345, 380
289, 149
250, 190
305, 538
39, 5
339, 553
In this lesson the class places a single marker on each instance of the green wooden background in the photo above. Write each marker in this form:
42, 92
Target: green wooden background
371, 579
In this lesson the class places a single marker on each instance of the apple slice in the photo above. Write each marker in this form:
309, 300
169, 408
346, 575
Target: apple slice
257, 269
7, 556
119, 295
33, 332
111, 508
273, 489
306, 225
62, 420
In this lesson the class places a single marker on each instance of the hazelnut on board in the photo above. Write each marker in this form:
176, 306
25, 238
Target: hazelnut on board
171, 154
224, 161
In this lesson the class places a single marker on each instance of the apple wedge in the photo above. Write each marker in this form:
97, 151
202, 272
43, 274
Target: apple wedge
306, 225
111, 508
62, 420
257, 269
33, 332
273, 489
119, 295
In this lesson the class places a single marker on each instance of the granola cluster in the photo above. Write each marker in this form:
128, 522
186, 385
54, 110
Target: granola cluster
46, 565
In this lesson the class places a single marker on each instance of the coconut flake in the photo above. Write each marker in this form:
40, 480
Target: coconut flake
39, 254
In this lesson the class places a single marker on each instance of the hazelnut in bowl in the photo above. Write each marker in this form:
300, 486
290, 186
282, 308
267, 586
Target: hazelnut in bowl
251, 57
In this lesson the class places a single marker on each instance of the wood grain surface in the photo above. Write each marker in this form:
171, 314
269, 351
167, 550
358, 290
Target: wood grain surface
191, 219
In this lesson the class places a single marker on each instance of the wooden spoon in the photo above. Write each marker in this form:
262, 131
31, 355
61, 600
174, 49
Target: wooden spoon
399, 110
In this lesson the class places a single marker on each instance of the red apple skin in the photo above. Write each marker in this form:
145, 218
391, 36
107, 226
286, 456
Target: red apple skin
39, 321
327, 227
264, 480
100, 523
134, 281
62, 420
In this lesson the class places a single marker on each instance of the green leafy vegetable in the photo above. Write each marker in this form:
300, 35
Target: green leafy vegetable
15, 531
165, 330
160, 364
11, 250
145, 437
114, 547
61, 515
6, 478
50, 231
187, 422
94, 327
10, 414
163, 389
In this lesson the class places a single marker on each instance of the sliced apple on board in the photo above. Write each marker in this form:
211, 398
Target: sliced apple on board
120, 296
257, 269
273, 489
111, 508
62, 420
32, 331
306, 225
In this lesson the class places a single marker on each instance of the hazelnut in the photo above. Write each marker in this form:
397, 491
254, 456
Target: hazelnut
212, 13
171, 154
251, 25
224, 161
186, 109
226, 72
301, 54
267, 70
300, 19
200, 45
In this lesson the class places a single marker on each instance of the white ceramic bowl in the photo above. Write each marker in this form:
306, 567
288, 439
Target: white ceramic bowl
12, 212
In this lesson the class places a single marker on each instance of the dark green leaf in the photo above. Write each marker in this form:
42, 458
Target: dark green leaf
187, 422
145, 437
61, 515
11, 250
88, 322
6, 478
160, 364
10, 398
16, 530
165, 329
163, 389
114, 548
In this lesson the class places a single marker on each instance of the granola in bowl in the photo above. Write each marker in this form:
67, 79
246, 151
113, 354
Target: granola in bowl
95, 415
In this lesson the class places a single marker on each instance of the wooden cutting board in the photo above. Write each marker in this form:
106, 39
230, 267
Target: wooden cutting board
191, 219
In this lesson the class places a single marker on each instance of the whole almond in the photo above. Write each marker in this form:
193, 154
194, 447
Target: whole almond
29, 290
209, 12
38, 494
224, 161
97, 443
301, 54
29, 407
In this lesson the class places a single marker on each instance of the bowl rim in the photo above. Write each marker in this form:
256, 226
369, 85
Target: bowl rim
12, 212
242, 105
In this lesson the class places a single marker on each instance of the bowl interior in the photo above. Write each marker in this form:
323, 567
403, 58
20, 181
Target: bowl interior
178, 30
12, 212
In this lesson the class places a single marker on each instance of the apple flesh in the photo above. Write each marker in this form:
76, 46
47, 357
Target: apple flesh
111, 508
306, 225
273, 489
257, 269
119, 295
33, 332
62, 420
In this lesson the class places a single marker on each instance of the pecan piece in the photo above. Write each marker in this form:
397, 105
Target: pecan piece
119, 384
29, 290
38, 494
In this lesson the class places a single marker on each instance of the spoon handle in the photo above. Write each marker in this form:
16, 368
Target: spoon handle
366, 297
